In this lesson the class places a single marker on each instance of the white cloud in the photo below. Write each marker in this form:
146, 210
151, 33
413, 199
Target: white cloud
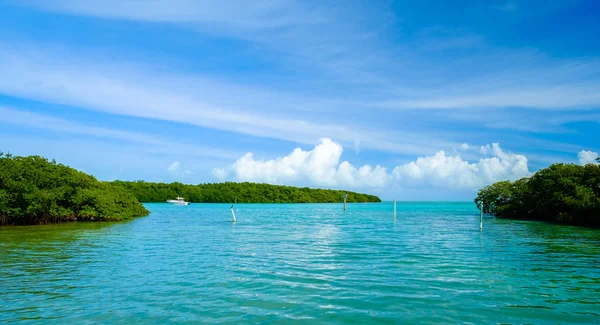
455, 172
174, 167
587, 157
175, 170
220, 173
320, 166
487, 149
464, 147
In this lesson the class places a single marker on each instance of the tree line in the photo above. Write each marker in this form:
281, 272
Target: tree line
34, 190
230, 192
561, 193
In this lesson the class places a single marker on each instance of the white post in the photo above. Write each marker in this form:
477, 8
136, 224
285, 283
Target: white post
481, 217
394, 209
233, 213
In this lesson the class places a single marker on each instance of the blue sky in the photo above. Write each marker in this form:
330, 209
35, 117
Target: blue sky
414, 101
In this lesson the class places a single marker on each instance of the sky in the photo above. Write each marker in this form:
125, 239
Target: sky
407, 100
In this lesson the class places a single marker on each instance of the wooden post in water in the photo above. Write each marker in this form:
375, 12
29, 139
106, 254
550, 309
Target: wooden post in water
232, 213
481, 216
394, 210
345, 196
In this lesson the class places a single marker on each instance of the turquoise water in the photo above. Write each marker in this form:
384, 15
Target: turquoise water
304, 263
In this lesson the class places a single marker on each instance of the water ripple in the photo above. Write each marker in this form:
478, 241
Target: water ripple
302, 264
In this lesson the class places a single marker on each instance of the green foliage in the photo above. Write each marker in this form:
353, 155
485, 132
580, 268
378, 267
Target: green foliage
34, 190
230, 192
561, 193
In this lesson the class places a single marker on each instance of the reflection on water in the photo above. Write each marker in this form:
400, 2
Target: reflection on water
303, 263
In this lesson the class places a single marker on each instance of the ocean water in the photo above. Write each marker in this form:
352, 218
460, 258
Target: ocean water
301, 264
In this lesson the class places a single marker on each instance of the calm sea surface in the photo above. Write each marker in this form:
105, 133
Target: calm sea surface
301, 263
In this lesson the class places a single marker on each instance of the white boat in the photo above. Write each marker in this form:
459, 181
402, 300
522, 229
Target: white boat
178, 201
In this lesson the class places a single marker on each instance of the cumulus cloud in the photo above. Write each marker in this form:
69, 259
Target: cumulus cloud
453, 171
587, 157
175, 170
220, 173
174, 167
319, 166
464, 147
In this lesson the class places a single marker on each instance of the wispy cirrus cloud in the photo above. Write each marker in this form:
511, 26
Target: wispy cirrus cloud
256, 15
311, 36
150, 142
123, 90
331, 38
553, 97
534, 81
330, 41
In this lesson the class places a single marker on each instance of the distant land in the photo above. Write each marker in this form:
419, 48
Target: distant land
245, 192
34, 190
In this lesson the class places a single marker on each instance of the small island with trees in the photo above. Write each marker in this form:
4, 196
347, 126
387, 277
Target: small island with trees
245, 192
562, 194
34, 190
